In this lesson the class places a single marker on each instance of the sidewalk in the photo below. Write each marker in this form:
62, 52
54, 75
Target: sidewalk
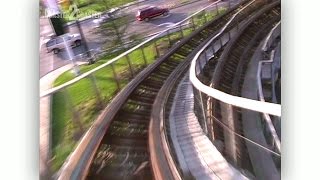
46, 82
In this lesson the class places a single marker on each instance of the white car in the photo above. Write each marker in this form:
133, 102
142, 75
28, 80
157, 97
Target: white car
113, 13
100, 20
56, 44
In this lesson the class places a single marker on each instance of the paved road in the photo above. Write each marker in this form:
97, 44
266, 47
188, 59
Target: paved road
161, 23
50, 62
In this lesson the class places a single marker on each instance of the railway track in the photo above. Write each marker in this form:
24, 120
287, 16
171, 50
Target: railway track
226, 72
245, 42
124, 149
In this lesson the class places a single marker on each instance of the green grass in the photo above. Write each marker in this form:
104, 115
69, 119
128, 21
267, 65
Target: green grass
202, 18
66, 129
184, 1
88, 7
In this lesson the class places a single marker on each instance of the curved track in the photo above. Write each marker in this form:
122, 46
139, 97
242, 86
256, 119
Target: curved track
227, 71
124, 149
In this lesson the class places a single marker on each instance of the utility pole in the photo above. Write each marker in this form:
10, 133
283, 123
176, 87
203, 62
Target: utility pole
76, 70
75, 12
89, 55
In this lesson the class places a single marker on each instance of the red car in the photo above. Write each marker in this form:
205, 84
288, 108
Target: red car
150, 12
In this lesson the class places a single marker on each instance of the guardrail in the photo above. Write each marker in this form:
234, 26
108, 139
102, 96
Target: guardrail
97, 55
275, 32
166, 149
77, 163
229, 106
269, 130
250, 104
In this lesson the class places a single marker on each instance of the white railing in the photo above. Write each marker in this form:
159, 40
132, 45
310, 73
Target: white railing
264, 107
220, 109
276, 30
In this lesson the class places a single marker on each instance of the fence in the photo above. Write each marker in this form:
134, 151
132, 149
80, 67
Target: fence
232, 122
269, 123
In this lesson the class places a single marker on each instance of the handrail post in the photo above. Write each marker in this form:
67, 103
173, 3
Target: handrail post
212, 46
209, 118
203, 113
192, 22
205, 16
96, 90
75, 114
181, 31
156, 47
115, 76
130, 66
144, 56
205, 55
168, 36
199, 63
217, 9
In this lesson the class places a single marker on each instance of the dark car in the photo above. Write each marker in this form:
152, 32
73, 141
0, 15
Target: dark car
150, 12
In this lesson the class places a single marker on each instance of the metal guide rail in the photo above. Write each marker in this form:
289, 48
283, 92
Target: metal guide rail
269, 108
159, 125
225, 107
270, 124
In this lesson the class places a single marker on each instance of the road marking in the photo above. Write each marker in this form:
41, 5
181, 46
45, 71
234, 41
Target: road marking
167, 24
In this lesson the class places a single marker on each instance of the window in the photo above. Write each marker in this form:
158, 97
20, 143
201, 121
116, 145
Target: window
59, 40
150, 10
69, 37
50, 43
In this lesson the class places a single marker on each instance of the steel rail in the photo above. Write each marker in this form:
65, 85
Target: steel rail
161, 153
274, 30
265, 47
266, 116
157, 125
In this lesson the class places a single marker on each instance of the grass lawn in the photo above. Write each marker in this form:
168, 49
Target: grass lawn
68, 127
90, 7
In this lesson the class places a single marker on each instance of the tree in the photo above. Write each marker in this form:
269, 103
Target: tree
113, 28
